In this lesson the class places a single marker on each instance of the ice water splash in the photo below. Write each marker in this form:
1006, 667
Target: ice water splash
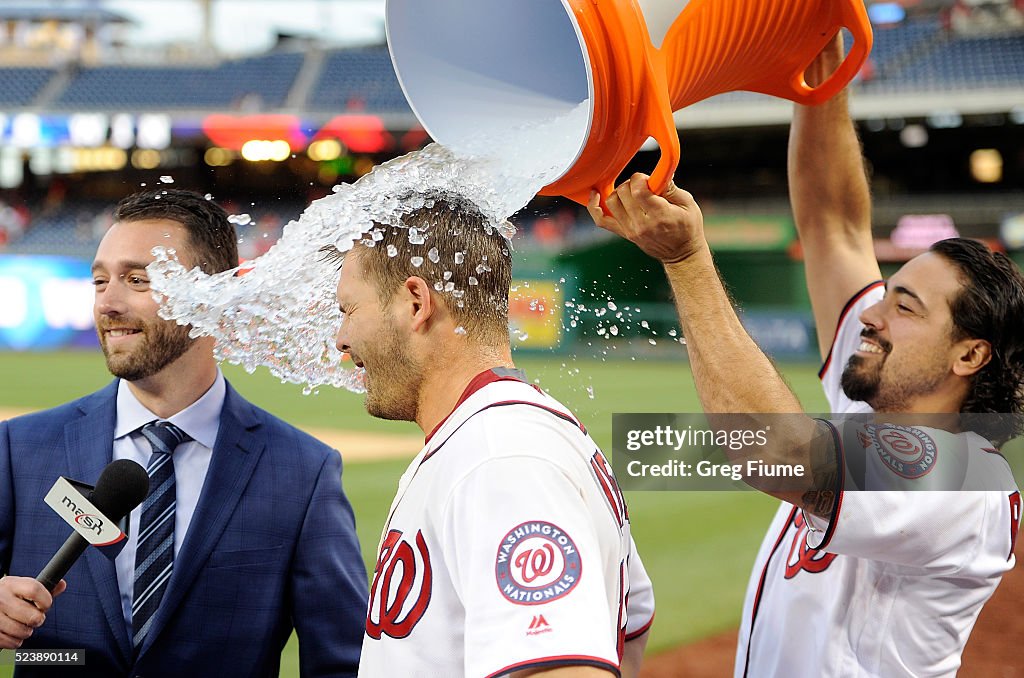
280, 310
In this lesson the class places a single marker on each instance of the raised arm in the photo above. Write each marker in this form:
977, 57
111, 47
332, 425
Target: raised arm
731, 373
831, 202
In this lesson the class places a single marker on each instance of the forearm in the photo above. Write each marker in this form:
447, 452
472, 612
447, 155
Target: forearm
733, 376
730, 371
828, 185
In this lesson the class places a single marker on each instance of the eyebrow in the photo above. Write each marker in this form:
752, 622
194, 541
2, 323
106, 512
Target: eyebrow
900, 289
126, 265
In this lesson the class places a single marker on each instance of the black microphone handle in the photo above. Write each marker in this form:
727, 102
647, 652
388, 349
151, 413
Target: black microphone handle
62, 561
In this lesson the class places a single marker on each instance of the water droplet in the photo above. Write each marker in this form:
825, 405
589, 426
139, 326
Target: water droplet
614, 330
167, 179
590, 392
652, 342
612, 306
672, 333
240, 219
643, 324
208, 197
460, 330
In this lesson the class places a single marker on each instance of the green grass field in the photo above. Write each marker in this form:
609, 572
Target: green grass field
698, 547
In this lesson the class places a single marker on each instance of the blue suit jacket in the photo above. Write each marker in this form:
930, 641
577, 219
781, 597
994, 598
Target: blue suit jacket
272, 546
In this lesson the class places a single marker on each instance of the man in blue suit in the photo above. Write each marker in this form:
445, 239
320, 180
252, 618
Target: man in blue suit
246, 533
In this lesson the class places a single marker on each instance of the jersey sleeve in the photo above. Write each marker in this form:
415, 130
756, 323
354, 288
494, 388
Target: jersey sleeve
901, 501
844, 345
640, 603
535, 568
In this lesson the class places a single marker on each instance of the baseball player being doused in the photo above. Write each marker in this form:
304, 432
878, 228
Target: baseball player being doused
507, 548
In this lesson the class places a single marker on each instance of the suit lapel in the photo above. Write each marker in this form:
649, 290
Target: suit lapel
89, 443
235, 455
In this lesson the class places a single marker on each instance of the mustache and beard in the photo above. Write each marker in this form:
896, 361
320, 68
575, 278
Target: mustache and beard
393, 378
866, 378
159, 345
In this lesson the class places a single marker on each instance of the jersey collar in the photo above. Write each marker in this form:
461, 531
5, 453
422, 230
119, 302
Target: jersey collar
478, 382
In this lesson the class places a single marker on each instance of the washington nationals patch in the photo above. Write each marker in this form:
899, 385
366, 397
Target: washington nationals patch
537, 562
909, 452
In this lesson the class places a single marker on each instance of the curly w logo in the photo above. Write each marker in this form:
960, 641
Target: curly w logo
801, 557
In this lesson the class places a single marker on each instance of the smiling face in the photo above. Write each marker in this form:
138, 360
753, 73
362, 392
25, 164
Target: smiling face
136, 342
907, 347
370, 333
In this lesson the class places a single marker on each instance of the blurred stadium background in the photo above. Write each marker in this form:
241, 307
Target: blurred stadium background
88, 114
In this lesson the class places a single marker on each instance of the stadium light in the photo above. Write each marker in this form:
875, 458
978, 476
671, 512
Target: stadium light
146, 159
218, 157
324, 150
987, 166
258, 150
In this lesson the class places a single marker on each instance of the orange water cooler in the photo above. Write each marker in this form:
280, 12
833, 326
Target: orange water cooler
487, 66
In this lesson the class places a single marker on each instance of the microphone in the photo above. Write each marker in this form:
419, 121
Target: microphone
122, 486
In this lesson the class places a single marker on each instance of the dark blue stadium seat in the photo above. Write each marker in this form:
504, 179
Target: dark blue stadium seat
968, 63
268, 77
19, 86
358, 79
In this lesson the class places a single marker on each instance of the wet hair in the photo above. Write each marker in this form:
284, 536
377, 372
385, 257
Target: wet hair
463, 257
990, 306
212, 240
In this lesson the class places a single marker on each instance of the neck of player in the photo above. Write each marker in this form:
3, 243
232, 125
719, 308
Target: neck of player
445, 383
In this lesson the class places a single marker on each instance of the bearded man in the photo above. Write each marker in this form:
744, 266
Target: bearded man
246, 525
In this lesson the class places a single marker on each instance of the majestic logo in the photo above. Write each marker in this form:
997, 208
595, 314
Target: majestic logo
909, 452
538, 625
397, 580
537, 563
803, 558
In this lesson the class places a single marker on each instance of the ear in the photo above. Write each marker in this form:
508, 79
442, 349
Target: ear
971, 355
422, 306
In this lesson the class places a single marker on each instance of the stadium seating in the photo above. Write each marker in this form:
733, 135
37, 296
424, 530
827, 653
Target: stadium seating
968, 63
916, 55
361, 79
224, 86
20, 86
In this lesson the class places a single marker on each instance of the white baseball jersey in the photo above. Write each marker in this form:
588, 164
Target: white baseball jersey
507, 547
892, 583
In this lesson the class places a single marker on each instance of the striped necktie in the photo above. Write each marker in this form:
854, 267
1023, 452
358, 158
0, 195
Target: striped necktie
154, 554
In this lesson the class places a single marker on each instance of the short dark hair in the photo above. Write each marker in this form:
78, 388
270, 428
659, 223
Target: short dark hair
212, 240
990, 306
463, 256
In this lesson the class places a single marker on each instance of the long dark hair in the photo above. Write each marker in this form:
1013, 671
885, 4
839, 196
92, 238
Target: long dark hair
990, 306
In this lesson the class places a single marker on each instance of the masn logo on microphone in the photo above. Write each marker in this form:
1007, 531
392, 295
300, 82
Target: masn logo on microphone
87, 520
81, 514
